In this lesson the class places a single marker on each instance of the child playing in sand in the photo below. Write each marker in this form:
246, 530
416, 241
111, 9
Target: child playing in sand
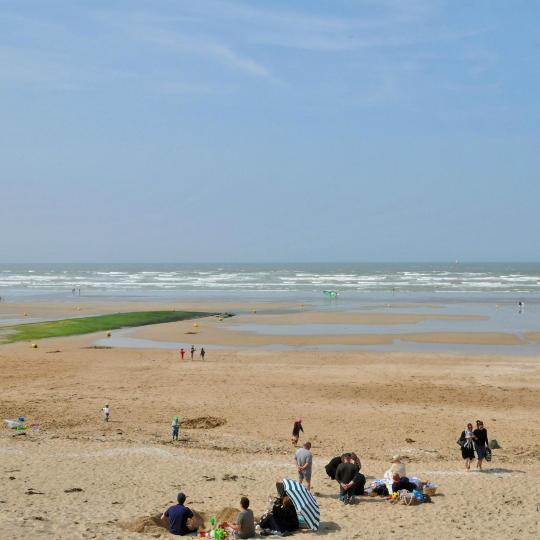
297, 428
175, 427
106, 411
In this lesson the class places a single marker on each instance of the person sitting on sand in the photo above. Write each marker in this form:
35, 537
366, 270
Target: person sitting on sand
397, 467
345, 475
402, 482
283, 517
175, 518
304, 462
297, 428
245, 522
175, 428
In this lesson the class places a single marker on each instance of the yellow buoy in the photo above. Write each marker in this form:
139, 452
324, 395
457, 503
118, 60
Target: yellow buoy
108, 334
220, 319
34, 345
25, 314
254, 311
195, 325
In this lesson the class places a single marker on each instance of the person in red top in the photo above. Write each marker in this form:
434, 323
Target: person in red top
182, 352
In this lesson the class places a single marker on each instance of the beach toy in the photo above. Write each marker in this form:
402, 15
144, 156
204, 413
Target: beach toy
213, 521
219, 534
394, 495
21, 418
11, 424
34, 346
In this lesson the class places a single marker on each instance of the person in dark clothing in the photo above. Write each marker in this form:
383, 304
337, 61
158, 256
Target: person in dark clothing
175, 518
297, 428
345, 475
480, 443
402, 482
283, 517
332, 467
466, 442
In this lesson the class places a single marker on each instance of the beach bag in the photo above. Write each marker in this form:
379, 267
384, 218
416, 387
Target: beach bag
488, 453
407, 498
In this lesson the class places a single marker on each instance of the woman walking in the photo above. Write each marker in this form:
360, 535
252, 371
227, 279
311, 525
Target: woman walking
466, 441
480, 443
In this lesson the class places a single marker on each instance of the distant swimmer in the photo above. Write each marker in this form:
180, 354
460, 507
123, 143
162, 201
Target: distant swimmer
521, 306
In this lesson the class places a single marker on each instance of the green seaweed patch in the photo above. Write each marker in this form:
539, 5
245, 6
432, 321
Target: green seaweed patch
98, 323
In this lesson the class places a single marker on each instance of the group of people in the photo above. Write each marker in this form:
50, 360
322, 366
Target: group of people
281, 518
182, 352
474, 441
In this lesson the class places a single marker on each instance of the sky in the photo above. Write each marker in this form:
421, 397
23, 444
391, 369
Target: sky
206, 130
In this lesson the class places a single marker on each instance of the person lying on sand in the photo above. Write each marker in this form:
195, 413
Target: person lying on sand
245, 521
175, 518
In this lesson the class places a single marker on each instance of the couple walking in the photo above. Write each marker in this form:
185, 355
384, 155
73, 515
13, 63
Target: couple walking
472, 441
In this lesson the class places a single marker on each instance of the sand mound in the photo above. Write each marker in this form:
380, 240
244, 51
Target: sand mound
203, 422
227, 514
147, 524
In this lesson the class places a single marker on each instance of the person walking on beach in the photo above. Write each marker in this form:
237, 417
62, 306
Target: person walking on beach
480, 443
466, 441
192, 351
304, 463
297, 428
175, 428
106, 412
182, 352
202, 353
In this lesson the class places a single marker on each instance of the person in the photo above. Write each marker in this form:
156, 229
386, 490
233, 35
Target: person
345, 474
175, 518
192, 351
106, 412
480, 443
297, 428
282, 518
202, 353
304, 462
397, 467
175, 427
466, 441
332, 466
402, 482
359, 479
182, 353
245, 521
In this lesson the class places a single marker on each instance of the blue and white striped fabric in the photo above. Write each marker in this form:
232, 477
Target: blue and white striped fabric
304, 502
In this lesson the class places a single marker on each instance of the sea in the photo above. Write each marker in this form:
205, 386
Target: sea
287, 281
505, 295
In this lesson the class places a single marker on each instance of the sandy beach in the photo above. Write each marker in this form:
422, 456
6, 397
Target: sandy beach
79, 477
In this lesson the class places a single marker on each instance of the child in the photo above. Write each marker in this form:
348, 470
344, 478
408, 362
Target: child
297, 428
175, 426
106, 412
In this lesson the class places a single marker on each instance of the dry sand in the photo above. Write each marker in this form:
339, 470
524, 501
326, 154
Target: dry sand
82, 478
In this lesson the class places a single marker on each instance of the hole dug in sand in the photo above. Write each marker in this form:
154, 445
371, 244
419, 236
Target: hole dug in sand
203, 422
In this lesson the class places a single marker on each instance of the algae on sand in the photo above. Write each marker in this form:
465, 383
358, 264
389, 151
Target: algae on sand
98, 323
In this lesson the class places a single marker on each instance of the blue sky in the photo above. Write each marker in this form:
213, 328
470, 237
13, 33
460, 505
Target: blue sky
367, 130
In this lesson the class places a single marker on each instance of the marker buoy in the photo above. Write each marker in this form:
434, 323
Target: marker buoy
108, 334
34, 346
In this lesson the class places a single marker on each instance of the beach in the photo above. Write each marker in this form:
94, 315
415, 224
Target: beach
79, 477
